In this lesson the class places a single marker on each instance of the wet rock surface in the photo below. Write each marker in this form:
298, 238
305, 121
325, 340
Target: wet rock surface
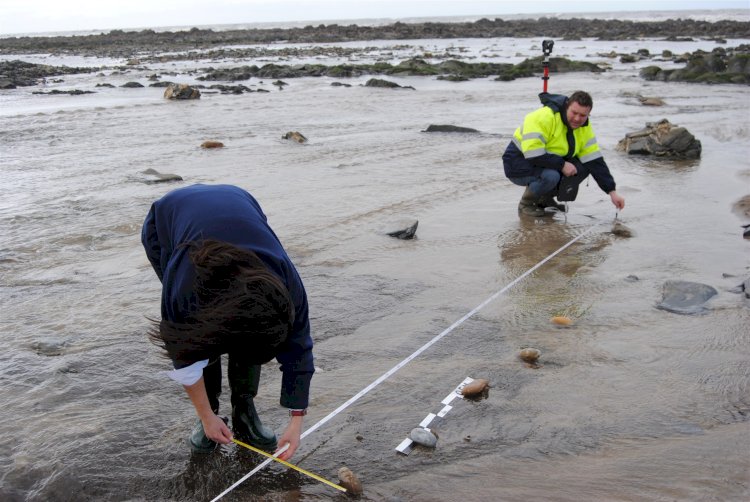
423, 437
720, 66
661, 139
683, 297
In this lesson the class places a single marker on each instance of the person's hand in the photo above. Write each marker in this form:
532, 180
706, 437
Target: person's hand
291, 437
216, 429
569, 169
617, 200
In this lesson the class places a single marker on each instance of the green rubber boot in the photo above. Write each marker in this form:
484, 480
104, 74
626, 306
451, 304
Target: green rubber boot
244, 380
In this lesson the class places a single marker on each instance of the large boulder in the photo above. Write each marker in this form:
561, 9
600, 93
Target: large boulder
181, 91
661, 139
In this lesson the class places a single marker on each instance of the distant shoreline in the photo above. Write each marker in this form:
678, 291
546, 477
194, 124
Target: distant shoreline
121, 43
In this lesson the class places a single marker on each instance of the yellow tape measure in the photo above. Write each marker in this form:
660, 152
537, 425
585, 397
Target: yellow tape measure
284, 462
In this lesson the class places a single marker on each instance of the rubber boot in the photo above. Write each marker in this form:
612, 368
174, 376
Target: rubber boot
198, 440
244, 379
529, 204
548, 200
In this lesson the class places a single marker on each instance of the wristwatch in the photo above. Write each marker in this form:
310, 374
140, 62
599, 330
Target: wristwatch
298, 413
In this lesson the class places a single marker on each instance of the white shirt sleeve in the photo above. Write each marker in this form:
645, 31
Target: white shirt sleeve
189, 374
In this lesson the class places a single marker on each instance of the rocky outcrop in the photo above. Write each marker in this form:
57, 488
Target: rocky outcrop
128, 44
18, 73
720, 66
450, 128
661, 139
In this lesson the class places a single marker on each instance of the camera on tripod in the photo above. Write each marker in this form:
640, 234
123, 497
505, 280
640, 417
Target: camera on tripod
547, 47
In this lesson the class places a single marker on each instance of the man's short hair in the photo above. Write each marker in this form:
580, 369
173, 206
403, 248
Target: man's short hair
583, 98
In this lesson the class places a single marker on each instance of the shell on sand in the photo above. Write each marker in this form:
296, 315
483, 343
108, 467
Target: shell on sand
476, 387
530, 355
562, 320
349, 480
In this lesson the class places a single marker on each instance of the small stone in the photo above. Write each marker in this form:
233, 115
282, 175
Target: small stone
212, 144
562, 320
424, 437
349, 480
478, 386
529, 355
359, 437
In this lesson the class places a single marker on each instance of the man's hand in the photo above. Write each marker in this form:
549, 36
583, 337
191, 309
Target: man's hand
569, 169
291, 437
617, 200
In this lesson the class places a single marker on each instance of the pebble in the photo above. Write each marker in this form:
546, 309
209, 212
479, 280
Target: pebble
530, 355
562, 320
423, 436
478, 386
349, 480
212, 144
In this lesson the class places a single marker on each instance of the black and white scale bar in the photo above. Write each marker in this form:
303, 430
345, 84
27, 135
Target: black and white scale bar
407, 445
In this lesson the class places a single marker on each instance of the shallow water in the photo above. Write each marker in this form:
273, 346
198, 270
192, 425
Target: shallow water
630, 403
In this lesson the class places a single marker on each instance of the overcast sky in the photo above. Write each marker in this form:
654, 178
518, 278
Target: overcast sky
33, 16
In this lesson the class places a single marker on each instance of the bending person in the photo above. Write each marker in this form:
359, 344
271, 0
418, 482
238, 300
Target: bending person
228, 287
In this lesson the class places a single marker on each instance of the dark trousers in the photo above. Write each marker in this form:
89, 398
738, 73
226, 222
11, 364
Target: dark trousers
243, 378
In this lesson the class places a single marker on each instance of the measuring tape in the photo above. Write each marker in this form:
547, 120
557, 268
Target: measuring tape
415, 354
407, 445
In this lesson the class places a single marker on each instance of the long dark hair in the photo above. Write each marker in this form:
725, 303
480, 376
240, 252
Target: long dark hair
241, 306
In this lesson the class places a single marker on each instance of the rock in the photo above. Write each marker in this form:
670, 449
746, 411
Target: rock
154, 176
449, 128
423, 437
132, 85
530, 355
405, 231
661, 139
296, 136
561, 320
621, 230
49, 347
746, 231
181, 91
651, 101
340, 84
378, 82
477, 387
742, 288
349, 480
683, 297
212, 144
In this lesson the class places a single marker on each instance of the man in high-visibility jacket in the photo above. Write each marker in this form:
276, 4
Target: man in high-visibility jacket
554, 151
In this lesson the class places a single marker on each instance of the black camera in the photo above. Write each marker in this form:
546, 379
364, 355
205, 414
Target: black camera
547, 47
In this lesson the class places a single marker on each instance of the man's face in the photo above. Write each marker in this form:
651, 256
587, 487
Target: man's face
577, 115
